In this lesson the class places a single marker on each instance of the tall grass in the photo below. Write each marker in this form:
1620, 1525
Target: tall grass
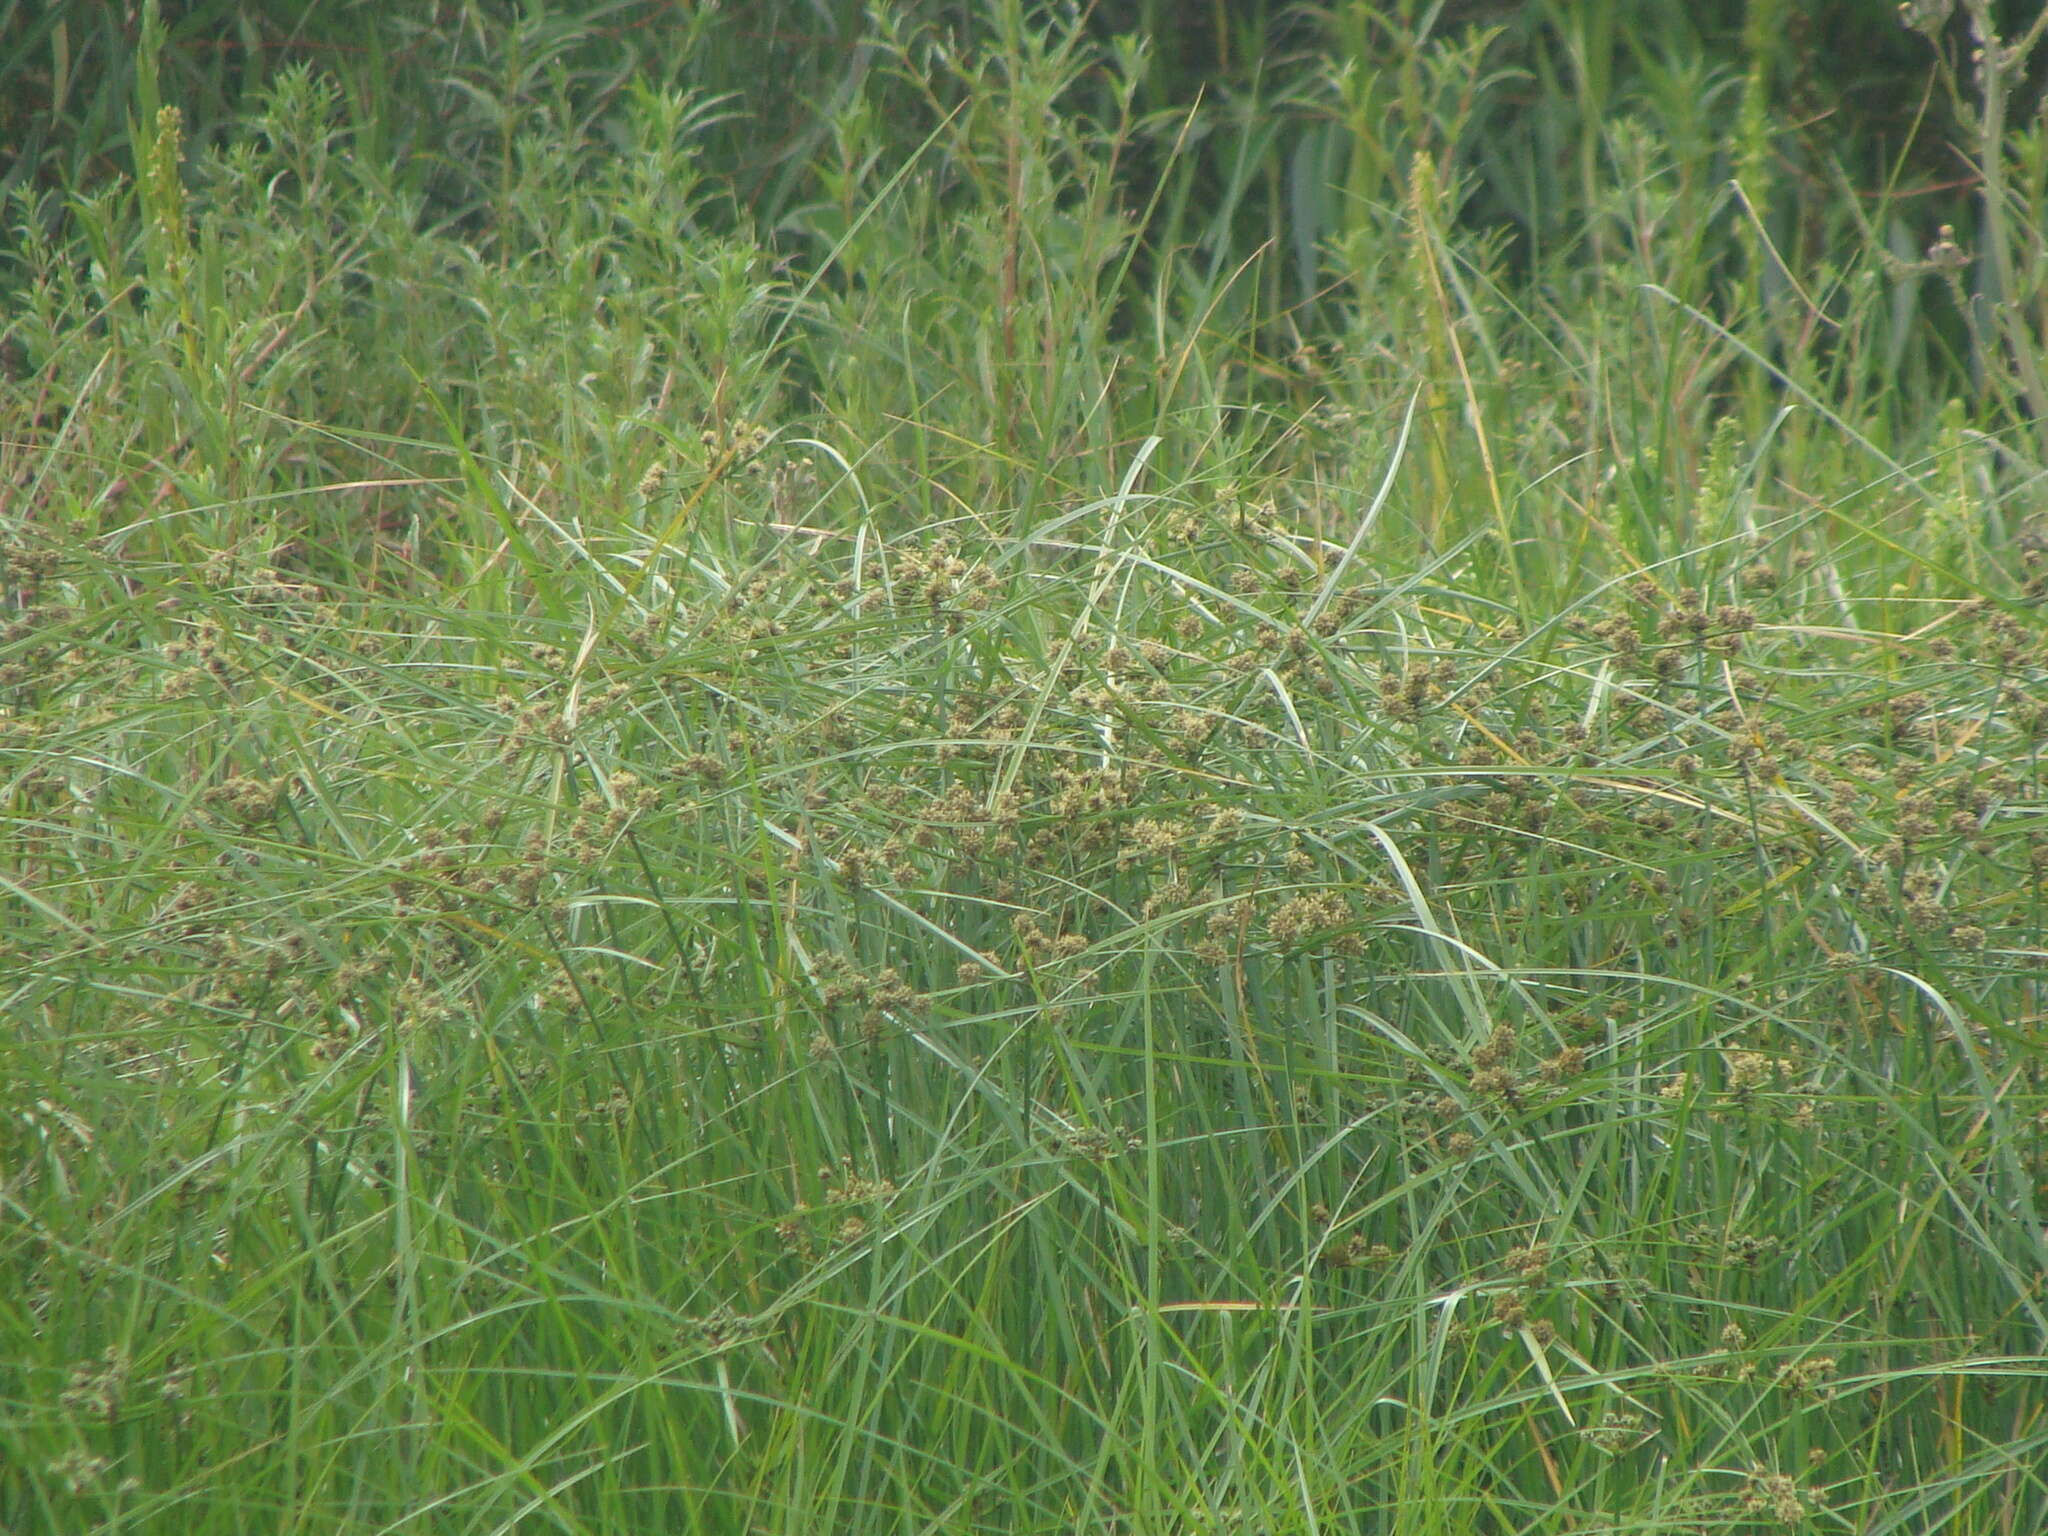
975, 842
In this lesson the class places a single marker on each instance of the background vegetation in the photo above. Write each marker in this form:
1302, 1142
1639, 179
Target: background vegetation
943, 768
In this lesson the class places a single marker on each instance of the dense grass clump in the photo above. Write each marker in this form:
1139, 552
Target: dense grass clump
1096, 815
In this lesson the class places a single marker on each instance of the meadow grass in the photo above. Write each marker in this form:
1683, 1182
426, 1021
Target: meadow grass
1017, 850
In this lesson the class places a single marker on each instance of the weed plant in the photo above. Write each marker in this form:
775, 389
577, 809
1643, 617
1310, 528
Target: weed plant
953, 864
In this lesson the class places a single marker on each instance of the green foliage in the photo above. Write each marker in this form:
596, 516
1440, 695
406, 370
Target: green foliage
1021, 804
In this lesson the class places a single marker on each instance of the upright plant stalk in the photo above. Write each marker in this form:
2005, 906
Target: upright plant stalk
1996, 66
1762, 25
